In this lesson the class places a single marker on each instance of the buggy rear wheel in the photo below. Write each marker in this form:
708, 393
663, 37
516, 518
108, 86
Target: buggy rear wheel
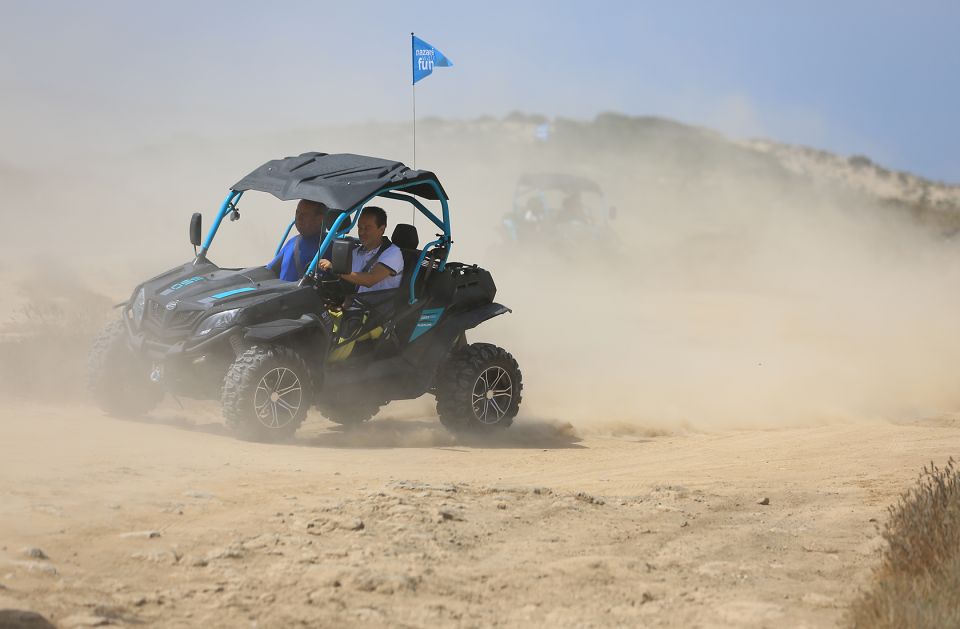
118, 379
266, 394
479, 388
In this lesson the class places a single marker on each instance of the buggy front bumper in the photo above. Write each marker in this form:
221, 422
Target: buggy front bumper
160, 351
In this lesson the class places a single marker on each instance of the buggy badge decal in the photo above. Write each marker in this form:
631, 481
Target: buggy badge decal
172, 305
182, 283
428, 319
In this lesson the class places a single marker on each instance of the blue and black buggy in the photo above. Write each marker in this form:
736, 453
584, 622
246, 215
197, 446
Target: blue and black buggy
560, 211
272, 349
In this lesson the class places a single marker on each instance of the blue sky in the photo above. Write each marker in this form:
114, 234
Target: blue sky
878, 78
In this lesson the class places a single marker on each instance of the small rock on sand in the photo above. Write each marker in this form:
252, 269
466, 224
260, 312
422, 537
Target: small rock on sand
140, 534
83, 620
161, 556
200, 495
36, 566
444, 515
585, 497
764, 501
328, 525
819, 600
34, 553
20, 619
196, 562
225, 553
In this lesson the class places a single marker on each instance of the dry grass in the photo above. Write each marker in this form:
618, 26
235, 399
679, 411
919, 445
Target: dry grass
918, 582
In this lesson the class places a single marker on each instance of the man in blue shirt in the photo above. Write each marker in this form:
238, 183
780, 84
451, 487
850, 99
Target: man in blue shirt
296, 254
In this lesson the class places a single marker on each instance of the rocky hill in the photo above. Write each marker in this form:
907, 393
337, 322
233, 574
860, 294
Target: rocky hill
926, 199
644, 153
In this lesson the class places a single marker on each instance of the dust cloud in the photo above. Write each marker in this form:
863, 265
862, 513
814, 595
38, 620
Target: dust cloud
732, 293
795, 313
736, 295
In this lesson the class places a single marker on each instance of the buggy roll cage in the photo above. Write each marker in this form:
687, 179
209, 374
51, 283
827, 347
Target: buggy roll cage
345, 222
528, 191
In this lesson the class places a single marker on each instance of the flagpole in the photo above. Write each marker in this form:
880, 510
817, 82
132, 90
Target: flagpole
413, 84
414, 127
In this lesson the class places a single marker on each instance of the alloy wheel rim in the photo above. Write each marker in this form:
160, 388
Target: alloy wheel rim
278, 397
492, 395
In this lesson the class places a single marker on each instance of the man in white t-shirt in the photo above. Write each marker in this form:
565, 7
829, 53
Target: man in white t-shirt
377, 263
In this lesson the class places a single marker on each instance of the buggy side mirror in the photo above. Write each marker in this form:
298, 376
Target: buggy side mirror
341, 257
195, 222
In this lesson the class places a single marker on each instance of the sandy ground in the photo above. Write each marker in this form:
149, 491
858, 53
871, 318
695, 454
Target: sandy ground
170, 522
623, 496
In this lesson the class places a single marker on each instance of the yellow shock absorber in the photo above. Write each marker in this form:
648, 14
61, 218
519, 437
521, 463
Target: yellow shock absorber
345, 348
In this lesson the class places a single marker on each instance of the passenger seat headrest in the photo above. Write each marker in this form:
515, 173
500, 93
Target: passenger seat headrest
405, 236
329, 217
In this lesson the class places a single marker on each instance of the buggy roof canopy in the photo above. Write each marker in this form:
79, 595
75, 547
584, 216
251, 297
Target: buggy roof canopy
339, 181
558, 181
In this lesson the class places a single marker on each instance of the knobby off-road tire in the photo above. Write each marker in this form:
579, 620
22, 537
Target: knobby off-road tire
349, 412
479, 388
118, 379
266, 393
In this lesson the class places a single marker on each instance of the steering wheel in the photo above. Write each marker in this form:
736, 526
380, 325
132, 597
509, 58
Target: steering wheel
331, 289
353, 317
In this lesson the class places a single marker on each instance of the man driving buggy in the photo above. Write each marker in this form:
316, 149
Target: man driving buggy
377, 263
295, 256
377, 266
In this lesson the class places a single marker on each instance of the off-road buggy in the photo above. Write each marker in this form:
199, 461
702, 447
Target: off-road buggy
271, 349
559, 211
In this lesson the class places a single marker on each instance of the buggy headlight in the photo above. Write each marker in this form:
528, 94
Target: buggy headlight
139, 304
219, 321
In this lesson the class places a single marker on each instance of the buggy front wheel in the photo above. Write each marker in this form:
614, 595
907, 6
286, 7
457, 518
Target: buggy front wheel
266, 394
119, 379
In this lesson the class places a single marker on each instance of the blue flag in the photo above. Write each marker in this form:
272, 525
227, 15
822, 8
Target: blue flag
426, 58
